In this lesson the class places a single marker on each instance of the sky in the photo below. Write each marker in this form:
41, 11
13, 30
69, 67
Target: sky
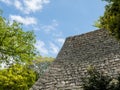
53, 20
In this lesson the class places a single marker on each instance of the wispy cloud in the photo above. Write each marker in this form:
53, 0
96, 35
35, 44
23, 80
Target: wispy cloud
61, 40
40, 45
46, 49
18, 5
27, 6
23, 20
6, 1
53, 48
57, 34
50, 27
34, 5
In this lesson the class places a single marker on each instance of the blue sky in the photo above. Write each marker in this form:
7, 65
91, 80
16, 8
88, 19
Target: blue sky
53, 20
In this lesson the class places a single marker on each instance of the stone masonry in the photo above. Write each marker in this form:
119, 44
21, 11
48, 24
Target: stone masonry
78, 52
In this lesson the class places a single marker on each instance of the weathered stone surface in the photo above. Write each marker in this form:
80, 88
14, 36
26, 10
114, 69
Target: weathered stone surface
94, 48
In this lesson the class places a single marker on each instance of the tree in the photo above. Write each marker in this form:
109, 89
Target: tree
40, 64
17, 50
16, 45
17, 77
111, 18
95, 80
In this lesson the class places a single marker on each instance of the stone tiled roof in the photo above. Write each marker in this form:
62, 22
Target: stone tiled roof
96, 48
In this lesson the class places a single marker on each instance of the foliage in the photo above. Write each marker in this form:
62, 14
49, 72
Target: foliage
16, 45
40, 64
17, 77
111, 18
97, 80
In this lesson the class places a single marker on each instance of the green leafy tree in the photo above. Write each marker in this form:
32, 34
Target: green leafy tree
40, 64
111, 18
16, 45
95, 80
17, 50
17, 77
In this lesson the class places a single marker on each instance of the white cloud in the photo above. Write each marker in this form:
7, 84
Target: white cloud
47, 28
27, 6
61, 40
53, 48
46, 49
58, 34
51, 27
34, 5
6, 1
18, 5
40, 45
23, 20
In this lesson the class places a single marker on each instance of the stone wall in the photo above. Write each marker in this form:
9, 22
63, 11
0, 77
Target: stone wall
94, 48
